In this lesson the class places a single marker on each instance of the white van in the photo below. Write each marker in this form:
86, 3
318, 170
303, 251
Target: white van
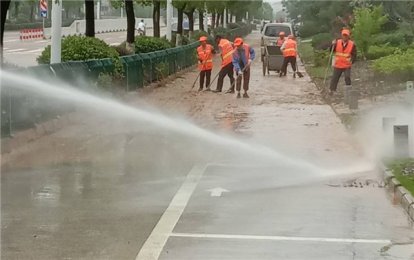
271, 31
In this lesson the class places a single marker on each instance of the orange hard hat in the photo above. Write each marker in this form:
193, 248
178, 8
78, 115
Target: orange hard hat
238, 41
282, 34
203, 39
346, 32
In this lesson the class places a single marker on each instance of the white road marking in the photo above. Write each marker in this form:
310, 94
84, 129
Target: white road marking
216, 192
154, 244
33, 51
15, 50
284, 238
115, 43
15, 40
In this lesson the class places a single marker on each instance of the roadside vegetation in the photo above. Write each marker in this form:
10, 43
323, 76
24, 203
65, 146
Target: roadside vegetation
404, 172
384, 37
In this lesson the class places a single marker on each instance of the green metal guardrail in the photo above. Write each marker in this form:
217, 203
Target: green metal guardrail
21, 110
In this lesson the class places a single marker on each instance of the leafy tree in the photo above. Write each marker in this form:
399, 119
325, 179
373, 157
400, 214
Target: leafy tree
368, 21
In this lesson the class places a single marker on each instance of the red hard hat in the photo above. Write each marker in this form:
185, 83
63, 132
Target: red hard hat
346, 32
203, 39
238, 41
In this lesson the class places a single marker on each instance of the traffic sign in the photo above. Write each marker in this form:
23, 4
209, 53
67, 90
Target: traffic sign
43, 8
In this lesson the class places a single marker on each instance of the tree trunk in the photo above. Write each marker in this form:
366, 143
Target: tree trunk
201, 20
239, 17
222, 19
180, 21
213, 20
227, 16
90, 18
16, 9
231, 18
67, 13
156, 18
32, 7
129, 9
190, 16
217, 20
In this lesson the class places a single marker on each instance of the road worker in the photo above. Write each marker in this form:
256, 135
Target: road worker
205, 62
281, 39
344, 51
289, 49
242, 58
226, 49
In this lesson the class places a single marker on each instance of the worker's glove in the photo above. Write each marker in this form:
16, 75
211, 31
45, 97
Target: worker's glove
238, 73
200, 60
249, 62
334, 42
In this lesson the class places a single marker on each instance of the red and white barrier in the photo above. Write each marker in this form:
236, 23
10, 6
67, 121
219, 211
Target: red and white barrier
31, 34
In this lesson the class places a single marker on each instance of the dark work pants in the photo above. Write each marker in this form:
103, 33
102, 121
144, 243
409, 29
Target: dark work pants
207, 75
286, 60
246, 79
226, 70
337, 75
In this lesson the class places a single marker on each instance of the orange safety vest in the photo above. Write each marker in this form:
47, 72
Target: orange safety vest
226, 52
343, 56
246, 48
280, 42
290, 48
206, 57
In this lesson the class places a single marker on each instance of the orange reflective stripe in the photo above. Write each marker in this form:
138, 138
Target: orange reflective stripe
290, 49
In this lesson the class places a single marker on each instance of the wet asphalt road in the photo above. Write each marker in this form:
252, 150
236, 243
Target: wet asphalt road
115, 189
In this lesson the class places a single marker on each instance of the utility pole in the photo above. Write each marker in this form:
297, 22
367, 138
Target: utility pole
98, 10
169, 19
55, 53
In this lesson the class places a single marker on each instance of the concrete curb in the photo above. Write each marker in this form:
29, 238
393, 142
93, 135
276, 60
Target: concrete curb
399, 194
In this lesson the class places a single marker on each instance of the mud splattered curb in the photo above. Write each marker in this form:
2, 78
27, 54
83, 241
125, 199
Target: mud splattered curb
400, 195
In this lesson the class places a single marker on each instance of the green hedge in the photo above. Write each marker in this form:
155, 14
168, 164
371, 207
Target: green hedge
402, 63
396, 39
376, 52
80, 48
144, 44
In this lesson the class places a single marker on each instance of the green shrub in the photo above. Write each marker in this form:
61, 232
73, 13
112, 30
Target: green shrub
233, 26
322, 41
368, 22
393, 39
220, 31
144, 44
376, 52
75, 48
104, 81
402, 63
320, 58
